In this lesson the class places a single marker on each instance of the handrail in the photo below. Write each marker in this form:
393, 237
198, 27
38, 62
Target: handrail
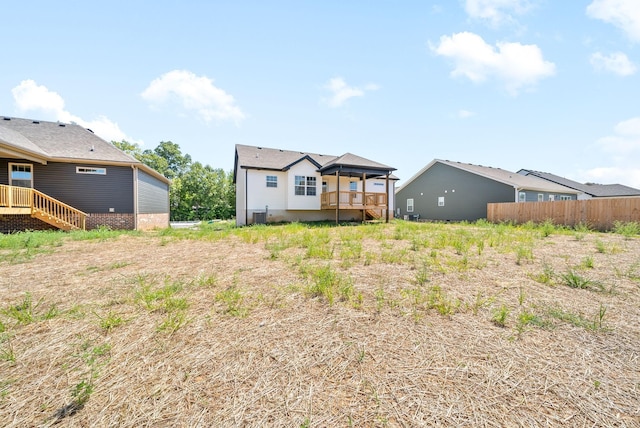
355, 199
42, 205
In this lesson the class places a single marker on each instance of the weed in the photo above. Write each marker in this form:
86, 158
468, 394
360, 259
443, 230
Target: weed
521, 296
574, 280
547, 228
601, 247
379, 294
327, 283
500, 315
233, 299
523, 253
587, 262
422, 275
8, 354
206, 280
172, 322
22, 313
110, 321
626, 229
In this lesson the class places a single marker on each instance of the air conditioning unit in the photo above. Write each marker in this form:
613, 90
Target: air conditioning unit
259, 218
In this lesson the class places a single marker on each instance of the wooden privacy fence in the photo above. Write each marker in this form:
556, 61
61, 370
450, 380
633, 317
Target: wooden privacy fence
598, 214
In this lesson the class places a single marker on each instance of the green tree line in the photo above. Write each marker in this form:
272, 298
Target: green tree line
198, 192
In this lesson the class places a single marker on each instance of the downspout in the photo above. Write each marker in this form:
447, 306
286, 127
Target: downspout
338, 195
135, 197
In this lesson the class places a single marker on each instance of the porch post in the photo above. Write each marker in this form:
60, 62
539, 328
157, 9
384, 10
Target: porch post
388, 199
338, 197
364, 197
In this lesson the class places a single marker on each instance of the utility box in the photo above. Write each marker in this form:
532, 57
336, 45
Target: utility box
259, 218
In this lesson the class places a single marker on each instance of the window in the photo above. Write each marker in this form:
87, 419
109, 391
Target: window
441, 201
91, 170
552, 197
565, 197
20, 174
272, 181
305, 185
540, 197
353, 186
324, 187
522, 197
410, 205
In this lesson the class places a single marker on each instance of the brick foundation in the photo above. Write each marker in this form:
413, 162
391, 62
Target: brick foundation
18, 223
118, 221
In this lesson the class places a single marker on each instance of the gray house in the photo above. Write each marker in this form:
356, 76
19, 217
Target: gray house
58, 175
589, 190
453, 191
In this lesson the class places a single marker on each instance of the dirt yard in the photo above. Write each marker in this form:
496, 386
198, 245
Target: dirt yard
366, 326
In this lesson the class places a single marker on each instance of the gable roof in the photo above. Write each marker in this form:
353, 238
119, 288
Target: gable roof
253, 157
42, 141
595, 190
517, 181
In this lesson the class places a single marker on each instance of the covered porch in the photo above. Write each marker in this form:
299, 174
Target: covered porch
374, 205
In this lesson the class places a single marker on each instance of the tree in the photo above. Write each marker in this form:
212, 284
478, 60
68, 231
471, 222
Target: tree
198, 192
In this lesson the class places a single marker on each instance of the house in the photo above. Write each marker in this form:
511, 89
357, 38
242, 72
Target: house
454, 191
589, 190
60, 175
275, 185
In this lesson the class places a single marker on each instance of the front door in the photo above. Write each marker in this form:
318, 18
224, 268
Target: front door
21, 175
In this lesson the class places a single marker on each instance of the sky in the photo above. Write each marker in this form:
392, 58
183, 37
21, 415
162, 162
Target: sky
546, 85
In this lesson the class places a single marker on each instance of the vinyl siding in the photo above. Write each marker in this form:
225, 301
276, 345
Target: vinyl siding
87, 192
465, 194
153, 194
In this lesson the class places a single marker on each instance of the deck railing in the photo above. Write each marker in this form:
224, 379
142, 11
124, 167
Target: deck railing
15, 197
42, 206
357, 200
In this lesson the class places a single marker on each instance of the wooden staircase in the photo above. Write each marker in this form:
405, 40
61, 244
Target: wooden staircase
23, 200
373, 214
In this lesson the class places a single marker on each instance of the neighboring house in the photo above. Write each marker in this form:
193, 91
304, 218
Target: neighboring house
57, 175
275, 185
589, 190
454, 191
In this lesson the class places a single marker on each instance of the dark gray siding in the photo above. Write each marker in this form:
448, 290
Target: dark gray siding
87, 192
465, 194
4, 170
153, 195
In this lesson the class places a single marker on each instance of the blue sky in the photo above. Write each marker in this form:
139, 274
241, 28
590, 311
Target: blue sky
539, 84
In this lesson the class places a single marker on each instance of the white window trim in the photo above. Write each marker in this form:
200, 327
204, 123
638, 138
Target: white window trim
410, 205
91, 170
441, 201
11, 164
272, 181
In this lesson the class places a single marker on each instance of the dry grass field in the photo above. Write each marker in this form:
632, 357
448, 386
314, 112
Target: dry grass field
401, 324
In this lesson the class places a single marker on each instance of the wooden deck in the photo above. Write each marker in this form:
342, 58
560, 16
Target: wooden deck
353, 201
23, 200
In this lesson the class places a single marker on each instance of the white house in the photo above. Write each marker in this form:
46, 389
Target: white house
275, 185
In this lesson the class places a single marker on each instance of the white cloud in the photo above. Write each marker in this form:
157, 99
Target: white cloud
629, 176
496, 12
464, 114
621, 150
517, 66
341, 92
31, 97
624, 14
617, 63
626, 138
193, 93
